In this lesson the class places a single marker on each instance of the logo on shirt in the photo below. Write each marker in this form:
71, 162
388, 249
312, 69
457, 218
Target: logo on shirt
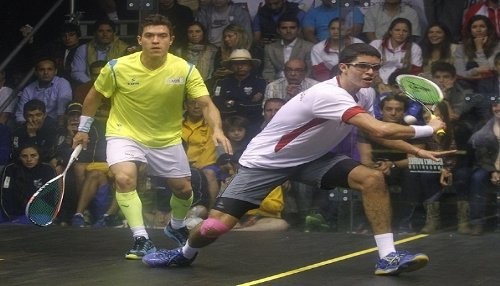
132, 81
248, 90
37, 183
175, 80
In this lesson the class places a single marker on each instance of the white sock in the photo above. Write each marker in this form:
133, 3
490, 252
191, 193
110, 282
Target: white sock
385, 244
139, 231
188, 251
177, 223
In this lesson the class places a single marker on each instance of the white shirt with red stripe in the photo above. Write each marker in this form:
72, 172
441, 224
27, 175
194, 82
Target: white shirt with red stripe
308, 126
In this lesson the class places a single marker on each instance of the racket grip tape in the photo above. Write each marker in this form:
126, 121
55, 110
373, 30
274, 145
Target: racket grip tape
439, 132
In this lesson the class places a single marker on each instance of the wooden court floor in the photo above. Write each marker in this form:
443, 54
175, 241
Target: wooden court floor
55, 255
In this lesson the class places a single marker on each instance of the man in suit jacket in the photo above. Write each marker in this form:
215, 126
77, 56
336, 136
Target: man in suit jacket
290, 46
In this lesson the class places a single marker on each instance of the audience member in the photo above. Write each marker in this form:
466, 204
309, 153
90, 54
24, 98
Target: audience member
235, 37
428, 186
104, 46
271, 106
218, 14
180, 16
398, 49
325, 54
290, 46
485, 174
450, 13
265, 23
89, 172
237, 131
82, 89
480, 44
197, 50
51, 89
379, 19
197, 136
315, 26
241, 93
217, 173
157, 210
20, 180
437, 46
64, 50
267, 217
8, 102
38, 129
414, 110
294, 82
393, 164
468, 110
488, 8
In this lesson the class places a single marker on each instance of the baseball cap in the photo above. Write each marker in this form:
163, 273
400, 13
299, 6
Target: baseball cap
74, 107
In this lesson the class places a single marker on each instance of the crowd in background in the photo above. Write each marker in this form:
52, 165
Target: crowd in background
253, 60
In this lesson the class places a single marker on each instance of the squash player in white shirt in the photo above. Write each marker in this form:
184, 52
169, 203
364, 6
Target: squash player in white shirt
296, 145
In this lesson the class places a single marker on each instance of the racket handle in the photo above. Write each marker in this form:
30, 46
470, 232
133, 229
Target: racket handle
439, 132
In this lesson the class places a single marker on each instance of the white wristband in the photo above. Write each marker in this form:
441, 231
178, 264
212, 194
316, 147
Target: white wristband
422, 131
85, 123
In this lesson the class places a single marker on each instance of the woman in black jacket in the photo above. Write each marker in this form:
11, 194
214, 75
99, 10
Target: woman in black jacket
20, 180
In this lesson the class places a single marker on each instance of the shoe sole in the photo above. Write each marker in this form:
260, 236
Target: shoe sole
418, 261
131, 256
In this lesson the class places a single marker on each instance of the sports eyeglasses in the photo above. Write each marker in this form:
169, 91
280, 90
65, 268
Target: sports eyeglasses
365, 66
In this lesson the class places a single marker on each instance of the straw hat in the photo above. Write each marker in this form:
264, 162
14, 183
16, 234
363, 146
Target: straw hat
241, 55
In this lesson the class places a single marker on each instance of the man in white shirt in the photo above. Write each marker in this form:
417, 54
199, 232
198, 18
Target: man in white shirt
296, 145
294, 82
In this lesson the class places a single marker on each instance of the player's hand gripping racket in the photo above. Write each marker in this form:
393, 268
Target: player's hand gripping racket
423, 91
44, 205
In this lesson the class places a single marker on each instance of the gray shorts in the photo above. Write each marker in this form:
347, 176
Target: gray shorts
253, 185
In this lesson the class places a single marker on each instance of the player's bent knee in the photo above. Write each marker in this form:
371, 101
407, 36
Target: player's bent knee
213, 228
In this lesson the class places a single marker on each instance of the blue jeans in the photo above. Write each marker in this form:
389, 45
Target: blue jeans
479, 187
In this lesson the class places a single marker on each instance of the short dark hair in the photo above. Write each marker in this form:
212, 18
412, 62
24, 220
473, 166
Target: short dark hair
288, 18
352, 51
234, 121
393, 96
70, 27
274, 100
443, 67
34, 104
104, 22
391, 80
156, 20
43, 58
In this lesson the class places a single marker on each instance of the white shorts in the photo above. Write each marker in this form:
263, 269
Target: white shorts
167, 162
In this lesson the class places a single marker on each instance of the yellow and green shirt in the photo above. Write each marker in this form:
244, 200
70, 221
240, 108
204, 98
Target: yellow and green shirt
147, 105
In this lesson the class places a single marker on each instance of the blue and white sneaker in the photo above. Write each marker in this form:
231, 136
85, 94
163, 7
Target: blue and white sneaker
142, 246
167, 258
179, 235
400, 261
78, 220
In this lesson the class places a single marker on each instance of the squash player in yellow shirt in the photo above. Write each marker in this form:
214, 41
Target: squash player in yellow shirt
147, 90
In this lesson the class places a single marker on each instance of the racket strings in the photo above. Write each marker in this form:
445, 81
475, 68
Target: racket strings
420, 91
44, 206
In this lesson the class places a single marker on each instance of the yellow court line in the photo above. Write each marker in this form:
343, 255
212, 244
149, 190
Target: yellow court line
326, 262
